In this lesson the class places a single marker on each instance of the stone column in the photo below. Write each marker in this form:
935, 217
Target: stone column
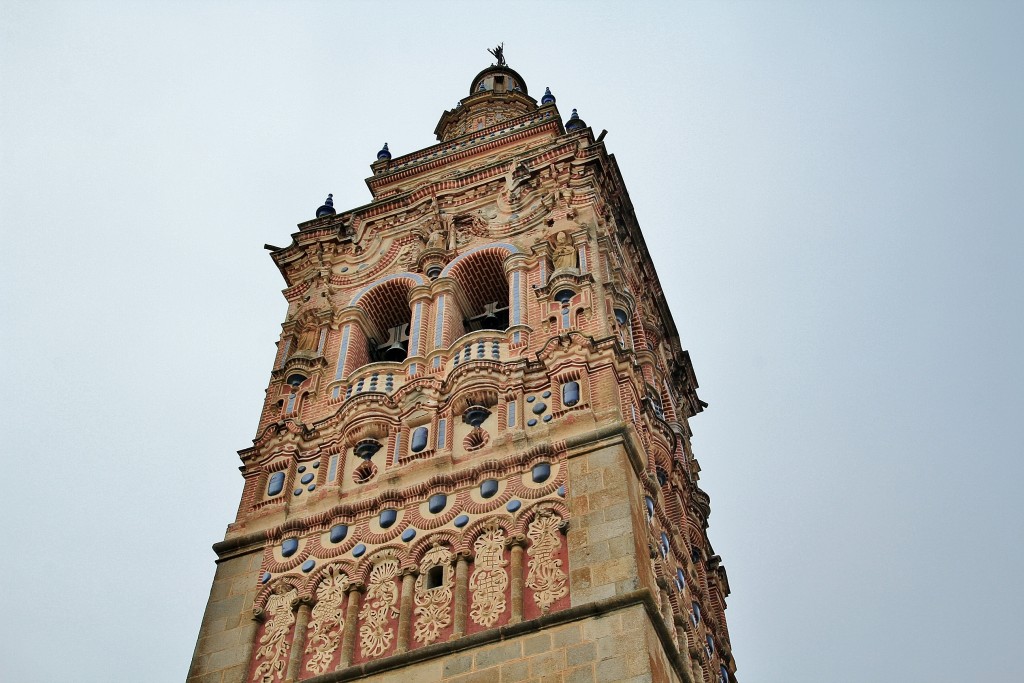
405, 610
348, 637
298, 643
461, 595
517, 543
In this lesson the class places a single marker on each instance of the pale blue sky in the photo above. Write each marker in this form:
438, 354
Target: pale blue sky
833, 194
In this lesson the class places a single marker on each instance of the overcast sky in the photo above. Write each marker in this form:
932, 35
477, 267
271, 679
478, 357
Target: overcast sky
833, 194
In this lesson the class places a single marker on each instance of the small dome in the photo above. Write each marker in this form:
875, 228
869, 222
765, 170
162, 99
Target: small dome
498, 79
328, 208
384, 154
575, 123
548, 98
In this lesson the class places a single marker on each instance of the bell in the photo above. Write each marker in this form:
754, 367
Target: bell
494, 317
396, 348
366, 448
475, 415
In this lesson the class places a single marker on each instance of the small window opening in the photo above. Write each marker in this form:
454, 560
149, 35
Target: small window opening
435, 577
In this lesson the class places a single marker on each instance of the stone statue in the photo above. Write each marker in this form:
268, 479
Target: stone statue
499, 54
564, 255
437, 239
307, 332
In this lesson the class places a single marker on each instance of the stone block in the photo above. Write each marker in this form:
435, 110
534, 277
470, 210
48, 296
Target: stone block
581, 654
547, 662
496, 654
581, 674
536, 644
458, 664
613, 669
512, 672
566, 635
488, 676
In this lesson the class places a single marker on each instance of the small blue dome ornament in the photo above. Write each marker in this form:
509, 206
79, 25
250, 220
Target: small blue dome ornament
384, 154
328, 208
574, 122
548, 98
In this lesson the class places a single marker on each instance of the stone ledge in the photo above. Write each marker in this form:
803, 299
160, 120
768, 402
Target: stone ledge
593, 609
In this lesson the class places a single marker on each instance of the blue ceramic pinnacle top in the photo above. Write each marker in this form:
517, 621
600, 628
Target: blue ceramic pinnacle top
575, 122
328, 207
384, 154
548, 98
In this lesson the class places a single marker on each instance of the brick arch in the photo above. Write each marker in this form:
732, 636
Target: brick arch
481, 273
411, 279
503, 248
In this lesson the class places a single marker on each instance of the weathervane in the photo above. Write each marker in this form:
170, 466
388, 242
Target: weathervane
499, 54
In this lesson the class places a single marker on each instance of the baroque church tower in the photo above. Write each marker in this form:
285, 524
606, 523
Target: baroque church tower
473, 462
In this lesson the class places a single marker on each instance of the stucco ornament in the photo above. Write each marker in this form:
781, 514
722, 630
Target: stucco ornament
545, 575
375, 632
433, 605
273, 648
327, 623
489, 579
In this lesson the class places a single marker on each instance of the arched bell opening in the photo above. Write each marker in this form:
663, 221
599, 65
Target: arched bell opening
481, 277
390, 316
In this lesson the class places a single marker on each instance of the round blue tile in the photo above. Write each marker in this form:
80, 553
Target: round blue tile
289, 546
513, 505
532, 421
540, 407
302, 468
358, 550
297, 492
308, 565
265, 577
306, 478
461, 521
547, 418
408, 534
488, 487
546, 394
311, 487
339, 532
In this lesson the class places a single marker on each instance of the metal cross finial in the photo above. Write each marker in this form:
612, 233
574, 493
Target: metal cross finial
499, 54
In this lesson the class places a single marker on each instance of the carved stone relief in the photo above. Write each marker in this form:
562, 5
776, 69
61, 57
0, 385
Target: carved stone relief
433, 604
327, 622
489, 579
273, 646
379, 607
545, 576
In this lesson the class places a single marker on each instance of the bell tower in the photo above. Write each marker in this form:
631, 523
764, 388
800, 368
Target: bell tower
473, 461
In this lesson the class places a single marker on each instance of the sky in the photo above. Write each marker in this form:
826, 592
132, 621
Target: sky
833, 194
